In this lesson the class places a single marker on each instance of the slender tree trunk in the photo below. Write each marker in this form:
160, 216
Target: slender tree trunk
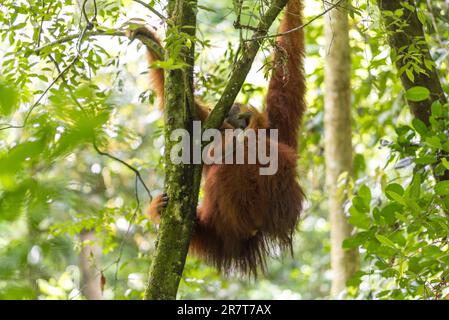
182, 180
91, 278
338, 145
404, 32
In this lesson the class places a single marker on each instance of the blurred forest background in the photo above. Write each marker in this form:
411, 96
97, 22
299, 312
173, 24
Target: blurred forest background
77, 121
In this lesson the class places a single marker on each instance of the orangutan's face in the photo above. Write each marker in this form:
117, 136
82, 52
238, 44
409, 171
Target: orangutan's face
239, 116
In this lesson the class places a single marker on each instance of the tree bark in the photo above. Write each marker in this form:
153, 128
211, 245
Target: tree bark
91, 277
338, 145
182, 180
403, 32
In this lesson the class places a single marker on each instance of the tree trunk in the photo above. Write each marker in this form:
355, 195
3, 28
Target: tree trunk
182, 180
338, 145
91, 277
404, 34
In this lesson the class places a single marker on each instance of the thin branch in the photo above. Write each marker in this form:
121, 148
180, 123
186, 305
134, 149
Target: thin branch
76, 36
64, 80
90, 22
35, 104
243, 66
281, 34
42, 23
151, 9
112, 33
240, 26
136, 172
434, 22
136, 211
122, 244
80, 37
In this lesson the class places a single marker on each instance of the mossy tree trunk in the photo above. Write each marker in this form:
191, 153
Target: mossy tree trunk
181, 182
338, 143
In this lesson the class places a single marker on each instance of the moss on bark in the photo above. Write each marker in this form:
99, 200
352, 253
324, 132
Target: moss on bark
181, 183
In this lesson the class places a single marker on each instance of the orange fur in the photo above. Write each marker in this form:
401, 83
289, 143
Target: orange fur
244, 214
285, 101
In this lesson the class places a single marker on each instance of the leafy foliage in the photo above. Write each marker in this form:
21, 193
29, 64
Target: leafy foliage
403, 227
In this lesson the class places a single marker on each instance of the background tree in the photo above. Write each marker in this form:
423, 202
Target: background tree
401, 229
411, 54
89, 260
338, 143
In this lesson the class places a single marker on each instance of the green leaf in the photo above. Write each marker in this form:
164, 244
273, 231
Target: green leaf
365, 193
401, 217
361, 204
8, 99
394, 187
396, 197
424, 160
446, 202
12, 203
414, 189
385, 241
422, 17
398, 12
420, 127
350, 243
434, 142
429, 64
445, 163
388, 212
408, 6
410, 75
417, 93
442, 188
359, 219
437, 109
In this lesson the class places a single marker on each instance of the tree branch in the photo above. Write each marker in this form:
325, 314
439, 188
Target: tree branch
37, 102
136, 172
112, 33
161, 16
243, 66
281, 34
